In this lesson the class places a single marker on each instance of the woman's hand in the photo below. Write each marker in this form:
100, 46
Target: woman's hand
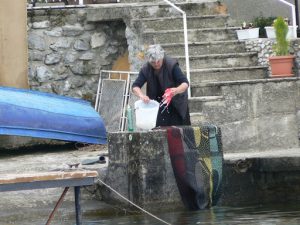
138, 92
145, 98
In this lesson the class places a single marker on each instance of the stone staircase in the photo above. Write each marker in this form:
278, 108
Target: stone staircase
216, 55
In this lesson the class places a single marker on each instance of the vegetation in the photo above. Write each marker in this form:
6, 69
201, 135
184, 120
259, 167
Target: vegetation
263, 22
282, 44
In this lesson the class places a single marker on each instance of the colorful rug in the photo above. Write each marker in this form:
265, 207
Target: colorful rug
197, 161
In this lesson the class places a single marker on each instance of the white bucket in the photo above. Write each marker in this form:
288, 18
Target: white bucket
146, 114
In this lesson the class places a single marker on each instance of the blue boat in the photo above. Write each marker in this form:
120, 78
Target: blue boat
43, 115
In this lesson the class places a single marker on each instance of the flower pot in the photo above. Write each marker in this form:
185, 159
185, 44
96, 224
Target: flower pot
271, 32
282, 66
247, 33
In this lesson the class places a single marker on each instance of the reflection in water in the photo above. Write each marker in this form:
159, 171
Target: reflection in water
258, 215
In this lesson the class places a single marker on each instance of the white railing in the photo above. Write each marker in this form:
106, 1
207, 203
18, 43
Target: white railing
186, 46
293, 17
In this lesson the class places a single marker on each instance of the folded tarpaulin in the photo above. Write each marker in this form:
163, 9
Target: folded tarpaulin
197, 160
43, 115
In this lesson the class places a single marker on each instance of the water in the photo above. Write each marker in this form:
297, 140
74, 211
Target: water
258, 215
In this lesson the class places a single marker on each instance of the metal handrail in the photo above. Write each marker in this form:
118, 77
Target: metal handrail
293, 17
186, 46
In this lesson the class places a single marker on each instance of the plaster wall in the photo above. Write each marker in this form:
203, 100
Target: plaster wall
245, 10
13, 44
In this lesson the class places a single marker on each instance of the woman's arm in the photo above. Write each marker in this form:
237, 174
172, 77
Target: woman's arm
137, 85
180, 79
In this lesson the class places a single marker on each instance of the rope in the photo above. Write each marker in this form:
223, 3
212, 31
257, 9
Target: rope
109, 187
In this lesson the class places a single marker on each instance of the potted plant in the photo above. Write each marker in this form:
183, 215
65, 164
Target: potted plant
248, 31
262, 22
282, 63
270, 31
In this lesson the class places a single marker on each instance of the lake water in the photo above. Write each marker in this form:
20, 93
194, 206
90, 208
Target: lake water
286, 214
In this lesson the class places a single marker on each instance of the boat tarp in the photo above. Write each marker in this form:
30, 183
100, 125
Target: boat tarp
44, 115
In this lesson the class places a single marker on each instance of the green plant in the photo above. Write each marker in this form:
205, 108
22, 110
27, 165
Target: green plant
282, 44
263, 22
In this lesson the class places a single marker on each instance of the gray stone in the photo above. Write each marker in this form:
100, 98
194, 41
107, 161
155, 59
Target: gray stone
70, 57
61, 43
81, 45
85, 68
52, 58
41, 25
46, 87
36, 42
71, 19
87, 56
43, 74
55, 32
89, 26
31, 72
76, 82
72, 30
98, 40
36, 55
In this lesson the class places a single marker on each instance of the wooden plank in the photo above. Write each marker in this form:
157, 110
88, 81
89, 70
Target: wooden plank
45, 176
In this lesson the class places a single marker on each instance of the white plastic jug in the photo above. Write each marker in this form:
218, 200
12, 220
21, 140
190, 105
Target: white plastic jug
146, 114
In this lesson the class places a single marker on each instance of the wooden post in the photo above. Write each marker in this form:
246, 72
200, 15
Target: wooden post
13, 44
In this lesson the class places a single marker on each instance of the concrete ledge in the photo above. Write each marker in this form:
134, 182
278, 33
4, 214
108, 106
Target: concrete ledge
265, 161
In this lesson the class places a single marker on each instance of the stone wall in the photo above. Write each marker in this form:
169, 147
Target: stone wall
260, 115
66, 53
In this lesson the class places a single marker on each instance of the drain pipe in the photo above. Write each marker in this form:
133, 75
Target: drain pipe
186, 46
293, 17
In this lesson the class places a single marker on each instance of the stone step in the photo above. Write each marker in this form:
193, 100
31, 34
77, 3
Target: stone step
176, 23
130, 11
162, 9
228, 74
215, 88
196, 104
194, 35
220, 60
204, 89
204, 48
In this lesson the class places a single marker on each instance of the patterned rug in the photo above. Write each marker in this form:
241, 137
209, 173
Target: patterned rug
197, 161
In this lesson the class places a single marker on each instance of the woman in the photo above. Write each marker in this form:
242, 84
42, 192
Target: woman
163, 73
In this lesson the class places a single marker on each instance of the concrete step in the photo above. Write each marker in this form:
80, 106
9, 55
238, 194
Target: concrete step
196, 104
228, 74
176, 23
215, 88
220, 60
204, 48
162, 9
204, 89
194, 35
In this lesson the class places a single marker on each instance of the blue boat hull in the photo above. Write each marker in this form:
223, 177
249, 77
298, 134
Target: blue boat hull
43, 115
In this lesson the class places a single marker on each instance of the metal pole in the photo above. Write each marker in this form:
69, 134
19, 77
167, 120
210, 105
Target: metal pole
293, 17
57, 205
186, 46
297, 15
77, 205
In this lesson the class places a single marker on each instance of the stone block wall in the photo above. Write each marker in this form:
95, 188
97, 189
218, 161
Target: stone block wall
66, 53
260, 115
140, 169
